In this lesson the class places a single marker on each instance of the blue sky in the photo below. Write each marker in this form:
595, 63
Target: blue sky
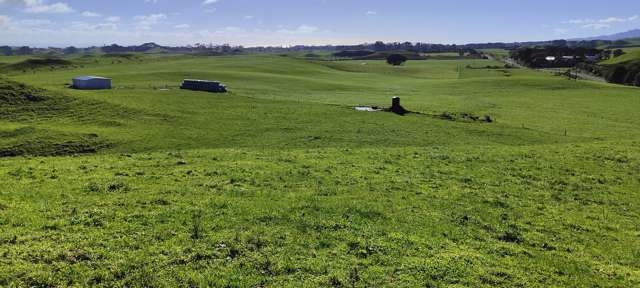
290, 22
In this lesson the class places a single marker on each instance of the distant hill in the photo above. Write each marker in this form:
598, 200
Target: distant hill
613, 37
146, 47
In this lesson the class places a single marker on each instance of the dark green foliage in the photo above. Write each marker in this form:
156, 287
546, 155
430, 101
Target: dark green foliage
6, 50
385, 55
24, 50
617, 74
396, 59
637, 80
353, 53
631, 77
380, 55
70, 50
618, 53
536, 57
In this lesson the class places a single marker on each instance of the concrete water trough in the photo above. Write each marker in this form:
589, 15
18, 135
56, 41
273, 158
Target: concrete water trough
395, 107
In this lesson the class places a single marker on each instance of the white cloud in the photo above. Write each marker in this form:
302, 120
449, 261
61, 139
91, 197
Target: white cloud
182, 26
5, 21
302, 29
233, 29
209, 2
112, 19
601, 23
40, 6
145, 22
371, 13
578, 21
612, 20
83, 26
90, 14
35, 23
151, 1
83, 34
248, 17
596, 26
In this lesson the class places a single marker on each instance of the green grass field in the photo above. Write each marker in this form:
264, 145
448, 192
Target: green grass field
631, 54
281, 183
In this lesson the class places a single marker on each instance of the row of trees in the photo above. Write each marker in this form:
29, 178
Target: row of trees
418, 47
378, 46
556, 56
8, 51
582, 58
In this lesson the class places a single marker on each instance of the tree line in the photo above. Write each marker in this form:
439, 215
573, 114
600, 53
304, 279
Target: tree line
582, 58
417, 47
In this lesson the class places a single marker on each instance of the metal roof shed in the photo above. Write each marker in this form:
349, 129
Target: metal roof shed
91, 83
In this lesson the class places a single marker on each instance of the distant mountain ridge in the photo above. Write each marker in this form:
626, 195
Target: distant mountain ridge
635, 33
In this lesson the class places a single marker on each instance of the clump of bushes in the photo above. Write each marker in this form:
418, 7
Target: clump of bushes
396, 59
617, 75
466, 117
627, 74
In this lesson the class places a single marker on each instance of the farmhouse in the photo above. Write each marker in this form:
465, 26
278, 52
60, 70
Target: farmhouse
91, 83
203, 85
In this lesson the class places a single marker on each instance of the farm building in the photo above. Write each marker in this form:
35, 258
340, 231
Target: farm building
91, 83
203, 85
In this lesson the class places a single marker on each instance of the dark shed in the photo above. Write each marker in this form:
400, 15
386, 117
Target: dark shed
203, 85
91, 83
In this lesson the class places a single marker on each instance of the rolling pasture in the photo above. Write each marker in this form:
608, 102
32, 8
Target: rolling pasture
281, 183
631, 54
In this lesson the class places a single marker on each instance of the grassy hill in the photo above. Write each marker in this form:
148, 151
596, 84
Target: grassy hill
631, 54
281, 183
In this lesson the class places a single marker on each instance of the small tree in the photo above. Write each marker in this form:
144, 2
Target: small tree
618, 53
617, 75
396, 59
379, 46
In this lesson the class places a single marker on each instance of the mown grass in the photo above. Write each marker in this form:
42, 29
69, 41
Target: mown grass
281, 183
